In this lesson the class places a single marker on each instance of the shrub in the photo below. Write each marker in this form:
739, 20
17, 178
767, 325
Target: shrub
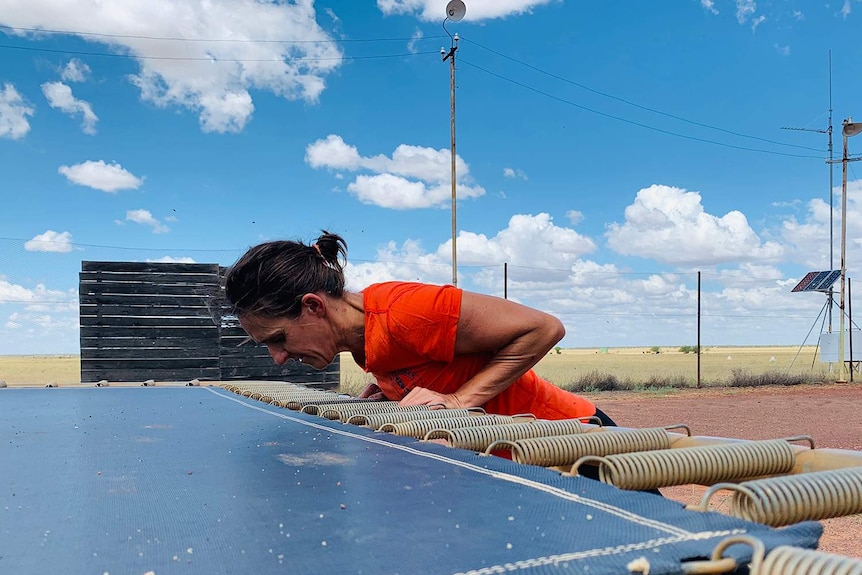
665, 382
742, 378
595, 381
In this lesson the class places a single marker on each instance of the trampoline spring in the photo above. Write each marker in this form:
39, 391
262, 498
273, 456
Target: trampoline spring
301, 403
313, 407
420, 428
479, 438
786, 560
780, 501
703, 465
567, 449
782, 560
375, 420
343, 412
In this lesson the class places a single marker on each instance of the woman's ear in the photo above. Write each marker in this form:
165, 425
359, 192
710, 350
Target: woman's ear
314, 304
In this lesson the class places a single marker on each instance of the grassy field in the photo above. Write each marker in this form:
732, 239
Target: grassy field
632, 367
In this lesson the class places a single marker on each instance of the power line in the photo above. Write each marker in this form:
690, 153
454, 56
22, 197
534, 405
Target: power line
229, 40
74, 244
632, 122
212, 59
635, 104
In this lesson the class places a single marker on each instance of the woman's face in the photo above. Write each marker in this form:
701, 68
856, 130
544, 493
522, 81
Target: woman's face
306, 338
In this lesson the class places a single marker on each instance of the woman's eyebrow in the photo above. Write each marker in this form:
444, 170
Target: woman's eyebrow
272, 338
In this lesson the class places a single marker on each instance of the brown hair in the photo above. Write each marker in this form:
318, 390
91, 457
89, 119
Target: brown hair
271, 278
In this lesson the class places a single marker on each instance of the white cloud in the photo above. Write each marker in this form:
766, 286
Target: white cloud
50, 241
414, 177
757, 22
575, 217
433, 10
39, 295
173, 260
13, 113
709, 6
238, 45
514, 173
144, 217
669, 225
783, 50
396, 192
332, 153
101, 176
75, 71
807, 241
846, 9
744, 9
528, 241
59, 96
414, 39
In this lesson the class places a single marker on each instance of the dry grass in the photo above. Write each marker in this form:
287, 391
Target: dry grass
636, 368
40, 369
633, 368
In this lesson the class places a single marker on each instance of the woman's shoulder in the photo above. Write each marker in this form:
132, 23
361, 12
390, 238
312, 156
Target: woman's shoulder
386, 294
403, 287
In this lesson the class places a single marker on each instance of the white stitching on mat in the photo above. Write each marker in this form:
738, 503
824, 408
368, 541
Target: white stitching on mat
562, 558
555, 491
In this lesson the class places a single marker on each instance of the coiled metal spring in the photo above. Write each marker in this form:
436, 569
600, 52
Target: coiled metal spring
299, 404
282, 398
779, 501
786, 560
260, 386
704, 465
343, 412
375, 420
479, 438
783, 560
421, 427
566, 449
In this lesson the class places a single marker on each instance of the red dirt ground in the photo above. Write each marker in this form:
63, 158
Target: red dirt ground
828, 413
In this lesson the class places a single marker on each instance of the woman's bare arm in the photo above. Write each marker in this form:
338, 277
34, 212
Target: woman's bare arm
516, 335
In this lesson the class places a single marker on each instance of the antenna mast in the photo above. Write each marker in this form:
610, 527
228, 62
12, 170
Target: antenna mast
830, 162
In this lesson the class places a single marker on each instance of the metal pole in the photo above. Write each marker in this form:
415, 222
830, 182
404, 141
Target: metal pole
451, 57
843, 256
831, 295
850, 318
505, 280
698, 330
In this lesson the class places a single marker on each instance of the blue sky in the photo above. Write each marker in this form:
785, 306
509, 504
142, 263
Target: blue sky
606, 152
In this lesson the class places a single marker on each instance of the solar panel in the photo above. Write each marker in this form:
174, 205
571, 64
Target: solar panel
817, 281
830, 278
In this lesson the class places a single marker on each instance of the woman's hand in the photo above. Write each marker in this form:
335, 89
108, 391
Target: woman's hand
423, 396
373, 393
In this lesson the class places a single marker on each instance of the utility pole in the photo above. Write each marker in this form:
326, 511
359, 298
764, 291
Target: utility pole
455, 11
848, 130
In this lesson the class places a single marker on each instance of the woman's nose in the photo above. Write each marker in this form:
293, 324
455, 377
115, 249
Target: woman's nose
279, 355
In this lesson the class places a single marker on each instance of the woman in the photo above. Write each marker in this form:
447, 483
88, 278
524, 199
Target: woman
424, 344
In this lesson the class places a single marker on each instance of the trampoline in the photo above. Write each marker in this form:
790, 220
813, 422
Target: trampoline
200, 480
